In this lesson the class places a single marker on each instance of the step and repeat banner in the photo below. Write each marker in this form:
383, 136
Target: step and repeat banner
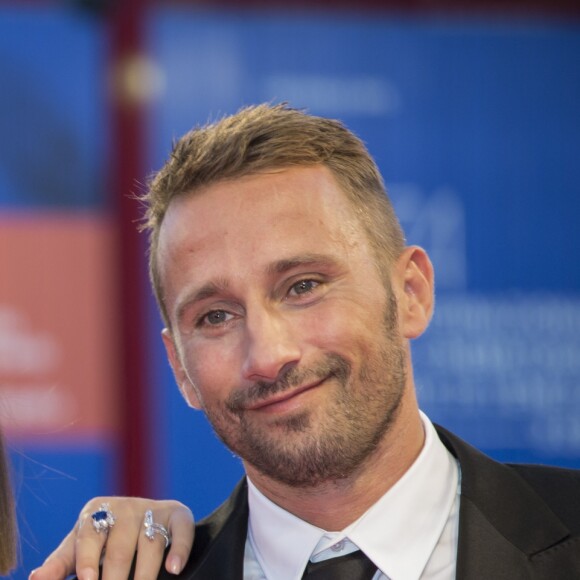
475, 125
57, 347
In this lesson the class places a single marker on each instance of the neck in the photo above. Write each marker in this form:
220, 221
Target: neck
333, 505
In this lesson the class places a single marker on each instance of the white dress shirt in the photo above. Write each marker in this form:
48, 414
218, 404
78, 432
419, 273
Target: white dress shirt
411, 533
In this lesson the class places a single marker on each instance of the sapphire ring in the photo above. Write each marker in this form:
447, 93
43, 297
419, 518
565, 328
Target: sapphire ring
103, 518
152, 528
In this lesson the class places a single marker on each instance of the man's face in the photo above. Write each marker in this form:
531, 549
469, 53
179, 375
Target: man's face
283, 330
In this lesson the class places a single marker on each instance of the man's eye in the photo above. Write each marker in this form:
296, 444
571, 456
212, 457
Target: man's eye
215, 317
303, 287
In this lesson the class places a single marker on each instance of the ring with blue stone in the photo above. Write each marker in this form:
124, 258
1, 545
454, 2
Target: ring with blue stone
103, 518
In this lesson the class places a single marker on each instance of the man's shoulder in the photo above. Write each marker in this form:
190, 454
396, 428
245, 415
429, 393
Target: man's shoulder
547, 476
500, 487
537, 475
557, 486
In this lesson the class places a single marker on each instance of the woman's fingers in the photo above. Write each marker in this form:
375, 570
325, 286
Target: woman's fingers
182, 528
67, 559
167, 518
60, 563
123, 542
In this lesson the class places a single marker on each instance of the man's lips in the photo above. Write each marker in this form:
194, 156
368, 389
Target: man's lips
279, 398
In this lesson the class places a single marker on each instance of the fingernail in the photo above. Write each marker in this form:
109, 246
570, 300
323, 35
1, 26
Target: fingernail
174, 564
87, 574
32, 574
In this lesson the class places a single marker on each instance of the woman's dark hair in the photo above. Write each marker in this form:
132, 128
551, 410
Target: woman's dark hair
7, 517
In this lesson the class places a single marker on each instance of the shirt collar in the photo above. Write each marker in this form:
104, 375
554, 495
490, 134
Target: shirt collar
282, 543
398, 533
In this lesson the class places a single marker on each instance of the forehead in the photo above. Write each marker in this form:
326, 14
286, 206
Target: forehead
237, 208
234, 226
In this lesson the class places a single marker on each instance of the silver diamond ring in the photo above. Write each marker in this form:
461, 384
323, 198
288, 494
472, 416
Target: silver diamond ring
152, 528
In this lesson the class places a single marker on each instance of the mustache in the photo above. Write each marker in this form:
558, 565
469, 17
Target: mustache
332, 365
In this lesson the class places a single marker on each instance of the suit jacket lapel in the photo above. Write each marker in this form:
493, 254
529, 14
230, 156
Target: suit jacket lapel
506, 530
225, 558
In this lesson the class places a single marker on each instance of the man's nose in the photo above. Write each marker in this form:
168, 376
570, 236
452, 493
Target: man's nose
270, 347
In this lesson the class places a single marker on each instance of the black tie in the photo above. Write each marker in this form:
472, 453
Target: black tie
353, 566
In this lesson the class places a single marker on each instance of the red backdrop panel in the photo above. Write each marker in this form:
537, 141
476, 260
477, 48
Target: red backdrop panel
57, 347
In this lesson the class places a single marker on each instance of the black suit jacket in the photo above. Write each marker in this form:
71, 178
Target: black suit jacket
516, 522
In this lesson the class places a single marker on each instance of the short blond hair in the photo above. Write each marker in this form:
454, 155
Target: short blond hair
262, 138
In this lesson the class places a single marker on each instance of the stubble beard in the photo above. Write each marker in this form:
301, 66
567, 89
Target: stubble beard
300, 451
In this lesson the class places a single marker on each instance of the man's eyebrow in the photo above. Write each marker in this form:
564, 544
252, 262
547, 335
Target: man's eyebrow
208, 290
283, 266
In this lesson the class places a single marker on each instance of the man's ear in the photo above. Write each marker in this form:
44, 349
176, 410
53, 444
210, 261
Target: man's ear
416, 294
185, 385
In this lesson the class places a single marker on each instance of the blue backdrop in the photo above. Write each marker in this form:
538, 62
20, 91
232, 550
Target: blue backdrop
475, 125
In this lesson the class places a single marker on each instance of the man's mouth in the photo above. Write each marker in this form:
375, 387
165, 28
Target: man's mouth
285, 399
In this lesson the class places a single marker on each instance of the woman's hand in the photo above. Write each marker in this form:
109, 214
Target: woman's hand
84, 548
